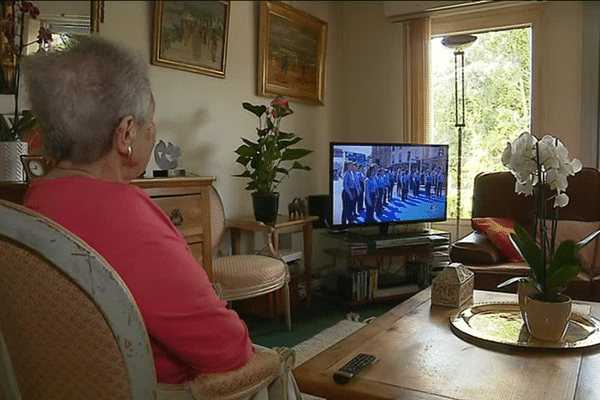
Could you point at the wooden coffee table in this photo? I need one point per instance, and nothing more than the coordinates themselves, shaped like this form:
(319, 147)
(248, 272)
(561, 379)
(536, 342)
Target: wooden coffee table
(420, 358)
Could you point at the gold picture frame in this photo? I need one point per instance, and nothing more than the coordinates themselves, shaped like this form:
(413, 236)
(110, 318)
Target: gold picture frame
(292, 48)
(191, 36)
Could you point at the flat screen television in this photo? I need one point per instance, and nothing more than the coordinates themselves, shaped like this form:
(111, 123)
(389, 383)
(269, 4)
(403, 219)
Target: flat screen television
(387, 183)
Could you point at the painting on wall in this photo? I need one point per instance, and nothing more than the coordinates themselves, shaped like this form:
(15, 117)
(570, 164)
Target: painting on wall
(292, 46)
(191, 36)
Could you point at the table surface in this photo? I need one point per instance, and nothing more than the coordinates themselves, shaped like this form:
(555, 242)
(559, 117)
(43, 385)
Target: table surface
(420, 358)
(282, 221)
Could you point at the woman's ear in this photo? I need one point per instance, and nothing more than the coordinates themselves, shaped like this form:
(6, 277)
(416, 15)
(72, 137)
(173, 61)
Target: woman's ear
(124, 135)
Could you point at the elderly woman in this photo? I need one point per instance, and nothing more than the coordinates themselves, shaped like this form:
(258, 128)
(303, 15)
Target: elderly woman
(95, 109)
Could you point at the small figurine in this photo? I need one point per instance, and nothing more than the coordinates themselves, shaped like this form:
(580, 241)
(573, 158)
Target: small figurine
(166, 158)
(298, 207)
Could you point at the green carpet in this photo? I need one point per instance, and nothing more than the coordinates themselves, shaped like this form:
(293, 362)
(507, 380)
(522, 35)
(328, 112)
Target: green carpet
(324, 312)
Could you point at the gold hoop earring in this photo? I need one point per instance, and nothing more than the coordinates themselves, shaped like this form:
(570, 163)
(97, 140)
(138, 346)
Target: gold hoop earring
(129, 151)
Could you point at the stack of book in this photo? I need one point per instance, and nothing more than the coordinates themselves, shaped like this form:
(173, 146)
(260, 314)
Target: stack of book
(358, 249)
(355, 284)
(440, 253)
(401, 241)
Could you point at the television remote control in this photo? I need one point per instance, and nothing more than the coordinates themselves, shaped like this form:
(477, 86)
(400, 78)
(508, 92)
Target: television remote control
(353, 367)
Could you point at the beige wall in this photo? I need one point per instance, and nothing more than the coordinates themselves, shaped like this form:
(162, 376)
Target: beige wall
(363, 89)
(204, 115)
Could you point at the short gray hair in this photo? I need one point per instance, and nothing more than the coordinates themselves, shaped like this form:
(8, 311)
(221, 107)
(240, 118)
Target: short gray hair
(80, 94)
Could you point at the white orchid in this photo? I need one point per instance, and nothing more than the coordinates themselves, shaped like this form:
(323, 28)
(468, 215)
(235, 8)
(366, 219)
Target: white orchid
(545, 161)
(539, 165)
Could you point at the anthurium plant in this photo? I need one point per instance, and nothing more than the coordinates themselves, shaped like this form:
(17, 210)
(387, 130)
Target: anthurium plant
(271, 157)
(540, 166)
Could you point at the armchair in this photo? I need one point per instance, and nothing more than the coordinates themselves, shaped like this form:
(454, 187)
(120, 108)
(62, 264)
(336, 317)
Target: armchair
(494, 197)
(244, 276)
(69, 327)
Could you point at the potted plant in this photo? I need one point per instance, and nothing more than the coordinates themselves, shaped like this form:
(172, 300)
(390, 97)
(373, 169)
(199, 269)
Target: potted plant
(12, 45)
(270, 158)
(541, 166)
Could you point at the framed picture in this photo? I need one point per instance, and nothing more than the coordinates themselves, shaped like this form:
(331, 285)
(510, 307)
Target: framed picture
(191, 36)
(292, 46)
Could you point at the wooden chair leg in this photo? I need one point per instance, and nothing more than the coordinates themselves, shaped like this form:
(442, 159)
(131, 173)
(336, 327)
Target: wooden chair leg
(288, 308)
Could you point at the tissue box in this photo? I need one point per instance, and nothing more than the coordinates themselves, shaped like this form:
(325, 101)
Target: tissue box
(453, 286)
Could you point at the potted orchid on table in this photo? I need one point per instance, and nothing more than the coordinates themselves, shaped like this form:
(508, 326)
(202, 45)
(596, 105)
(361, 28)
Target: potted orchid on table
(270, 158)
(541, 168)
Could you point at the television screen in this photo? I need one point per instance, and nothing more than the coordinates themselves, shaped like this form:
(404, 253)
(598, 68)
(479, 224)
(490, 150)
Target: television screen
(386, 183)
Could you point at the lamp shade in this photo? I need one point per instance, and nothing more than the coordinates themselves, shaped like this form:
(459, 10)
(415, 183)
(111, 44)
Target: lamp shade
(458, 43)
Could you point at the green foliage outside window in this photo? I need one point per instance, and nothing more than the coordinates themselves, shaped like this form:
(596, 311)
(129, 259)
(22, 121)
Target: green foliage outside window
(498, 105)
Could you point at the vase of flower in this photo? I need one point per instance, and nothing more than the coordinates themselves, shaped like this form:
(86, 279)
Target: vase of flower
(541, 168)
(12, 43)
(266, 206)
(269, 159)
(524, 289)
(11, 167)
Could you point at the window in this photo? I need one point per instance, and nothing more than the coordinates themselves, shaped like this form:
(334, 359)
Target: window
(497, 77)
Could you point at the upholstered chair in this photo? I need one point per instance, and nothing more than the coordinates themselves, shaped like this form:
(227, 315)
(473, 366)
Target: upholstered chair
(244, 276)
(70, 329)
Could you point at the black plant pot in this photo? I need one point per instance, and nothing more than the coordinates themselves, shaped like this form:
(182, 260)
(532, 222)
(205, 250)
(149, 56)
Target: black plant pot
(265, 206)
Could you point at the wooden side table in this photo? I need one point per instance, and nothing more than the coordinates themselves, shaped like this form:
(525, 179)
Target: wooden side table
(283, 225)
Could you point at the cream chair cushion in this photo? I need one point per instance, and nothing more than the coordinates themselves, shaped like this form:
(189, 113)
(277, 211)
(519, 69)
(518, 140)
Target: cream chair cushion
(247, 382)
(237, 273)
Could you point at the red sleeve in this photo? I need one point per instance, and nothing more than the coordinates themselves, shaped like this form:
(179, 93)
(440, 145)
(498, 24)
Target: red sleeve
(191, 331)
(178, 303)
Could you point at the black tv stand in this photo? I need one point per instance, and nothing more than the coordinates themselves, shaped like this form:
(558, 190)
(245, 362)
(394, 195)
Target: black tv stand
(384, 229)
(374, 266)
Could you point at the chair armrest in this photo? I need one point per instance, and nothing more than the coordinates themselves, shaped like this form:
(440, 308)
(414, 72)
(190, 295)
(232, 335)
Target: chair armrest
(249, 225)
(474, 248)
(263, 368)
(257, 226)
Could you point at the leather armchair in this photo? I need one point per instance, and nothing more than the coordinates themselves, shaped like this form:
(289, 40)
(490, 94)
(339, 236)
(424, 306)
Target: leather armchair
(494, 196)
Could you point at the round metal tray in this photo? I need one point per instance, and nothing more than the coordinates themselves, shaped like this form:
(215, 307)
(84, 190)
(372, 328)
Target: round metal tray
(492, 324)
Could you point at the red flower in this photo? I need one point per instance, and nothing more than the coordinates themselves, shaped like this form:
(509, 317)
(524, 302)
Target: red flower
(25, 6)
(44, 35)
(34, 12)
(281, 107)
(281, 102)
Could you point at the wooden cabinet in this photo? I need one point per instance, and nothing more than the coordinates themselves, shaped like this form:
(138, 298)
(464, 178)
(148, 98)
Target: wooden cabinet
(185, 200)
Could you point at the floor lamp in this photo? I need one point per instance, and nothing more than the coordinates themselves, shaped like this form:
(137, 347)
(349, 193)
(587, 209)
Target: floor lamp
(458, 44)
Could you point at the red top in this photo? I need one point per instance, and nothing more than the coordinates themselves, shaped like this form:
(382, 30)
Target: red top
(191, 330)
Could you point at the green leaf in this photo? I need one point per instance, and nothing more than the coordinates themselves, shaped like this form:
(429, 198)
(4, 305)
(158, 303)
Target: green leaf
(287, 136)
(283, 143)
(562, 276)
(294, 154)
(256, 110)
(566, 253)
(588, 239)
(297, 165)
(528, 249)
(246, 151)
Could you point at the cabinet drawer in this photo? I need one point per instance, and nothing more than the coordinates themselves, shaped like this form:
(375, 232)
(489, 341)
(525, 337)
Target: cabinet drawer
(186, 214)
(197, 250)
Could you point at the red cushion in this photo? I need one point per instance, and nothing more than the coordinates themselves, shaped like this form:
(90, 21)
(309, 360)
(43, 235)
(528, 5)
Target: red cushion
(498, 231)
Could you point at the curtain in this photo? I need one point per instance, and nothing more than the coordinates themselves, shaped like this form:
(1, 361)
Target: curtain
(418, 34)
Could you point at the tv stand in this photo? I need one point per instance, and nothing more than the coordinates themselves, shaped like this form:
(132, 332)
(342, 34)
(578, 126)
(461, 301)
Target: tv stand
(384, 229)
(360, 259)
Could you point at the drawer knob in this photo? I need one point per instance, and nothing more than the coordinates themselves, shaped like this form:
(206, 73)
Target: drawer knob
(176, 217)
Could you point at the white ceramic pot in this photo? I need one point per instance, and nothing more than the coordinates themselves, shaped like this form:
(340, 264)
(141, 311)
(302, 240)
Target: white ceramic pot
(547, 321)
(11, 168)
(523, 290)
